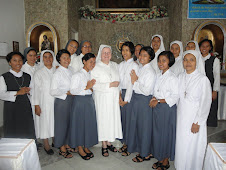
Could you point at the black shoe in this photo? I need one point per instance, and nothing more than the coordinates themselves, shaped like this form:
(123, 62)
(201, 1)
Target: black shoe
(49, 152)
(53, 145)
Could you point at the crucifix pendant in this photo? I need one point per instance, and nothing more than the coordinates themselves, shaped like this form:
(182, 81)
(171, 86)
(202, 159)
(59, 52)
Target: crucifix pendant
(185, 93)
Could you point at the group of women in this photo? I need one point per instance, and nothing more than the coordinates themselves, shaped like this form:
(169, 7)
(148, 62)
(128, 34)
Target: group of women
(155, 102)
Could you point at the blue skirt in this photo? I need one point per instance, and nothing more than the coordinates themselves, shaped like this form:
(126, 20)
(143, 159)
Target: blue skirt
(125, 117)
(164, 131)
(62, 109)
(140, 133)
(83, 126)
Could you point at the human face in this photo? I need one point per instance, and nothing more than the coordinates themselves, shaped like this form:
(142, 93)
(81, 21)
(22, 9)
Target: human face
(106, 55)
(189, 63)
(144, 57)
(163, 63)
(16, 63)
(175, 49)
(190, 46)
(72, 47)
(205, 48)
(156, 42)
(48, 59)
(65, 60)
(31, 57)
(89, 64)
(137, 50)
(126, 53)
(86, 48)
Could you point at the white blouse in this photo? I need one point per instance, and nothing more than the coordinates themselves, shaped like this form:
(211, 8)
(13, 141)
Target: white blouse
(29, 69)
(76, 63)
(61, 82)
(125, 69)
(10, 95)
(78, 83)
(216, 72)
(146, 80)
(177, 67)
(166, 87)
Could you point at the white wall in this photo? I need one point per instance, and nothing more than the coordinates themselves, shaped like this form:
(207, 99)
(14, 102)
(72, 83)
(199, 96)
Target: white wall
(12, 26)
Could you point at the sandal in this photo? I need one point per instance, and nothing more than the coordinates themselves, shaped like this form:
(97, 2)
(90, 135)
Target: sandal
(126, 153)
(65, 154)
(122, 149)
(72, 150)
(148, 158)
(112, 148)
(90, 154)
(104, 151)
(138, 159)
(86, 157)
(156, 165)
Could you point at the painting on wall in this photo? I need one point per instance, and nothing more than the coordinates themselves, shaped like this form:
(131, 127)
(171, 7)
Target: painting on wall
(15, 46)
(125, 5)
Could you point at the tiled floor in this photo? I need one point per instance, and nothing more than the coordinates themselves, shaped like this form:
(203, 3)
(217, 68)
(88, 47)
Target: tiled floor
(115, 160)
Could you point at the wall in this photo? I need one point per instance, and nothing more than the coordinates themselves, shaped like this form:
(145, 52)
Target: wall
(189, 25)
(175, 26)
(73, 16)
(54, 12)
(12, 29)
(99, 32)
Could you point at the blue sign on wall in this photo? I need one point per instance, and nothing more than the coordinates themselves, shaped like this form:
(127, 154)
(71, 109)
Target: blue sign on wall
(206, 9)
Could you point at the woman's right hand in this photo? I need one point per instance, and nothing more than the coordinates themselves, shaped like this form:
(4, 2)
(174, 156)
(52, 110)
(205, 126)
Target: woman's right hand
(37, 110)
(23, 90)
(114, 84)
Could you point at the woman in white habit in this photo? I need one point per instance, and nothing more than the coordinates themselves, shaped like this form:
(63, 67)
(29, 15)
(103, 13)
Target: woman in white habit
(106, 98)
(195, 98)
(43, 101)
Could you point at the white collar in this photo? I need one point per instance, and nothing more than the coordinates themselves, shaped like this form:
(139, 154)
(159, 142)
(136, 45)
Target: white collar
(129, 61)
(19, 74)
(207, 57)
(29, 65)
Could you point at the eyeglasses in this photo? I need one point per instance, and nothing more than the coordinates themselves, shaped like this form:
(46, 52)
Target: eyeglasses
(86, 46)
(106, 53)
(73, 46)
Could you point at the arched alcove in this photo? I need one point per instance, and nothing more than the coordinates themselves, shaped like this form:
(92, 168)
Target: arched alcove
(215, 31)
(35, 35)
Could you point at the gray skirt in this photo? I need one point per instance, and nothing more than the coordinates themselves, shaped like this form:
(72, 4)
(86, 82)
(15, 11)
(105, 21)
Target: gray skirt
(62, 109)
(83, 126)
(125, 117)
(140, 131)
(164, 131)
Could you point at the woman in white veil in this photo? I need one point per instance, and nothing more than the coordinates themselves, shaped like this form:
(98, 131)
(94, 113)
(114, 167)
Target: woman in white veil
(106, 99)
(158, 46)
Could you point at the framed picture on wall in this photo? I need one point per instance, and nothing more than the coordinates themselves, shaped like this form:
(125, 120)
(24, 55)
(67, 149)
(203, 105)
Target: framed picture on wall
(123, 6)
(15, 46)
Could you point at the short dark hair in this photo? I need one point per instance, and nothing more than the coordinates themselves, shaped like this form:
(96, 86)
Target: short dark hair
(139, 45)
(87, 56)
(150, 52)
(169, 55)
(59, 54)
(209, 41)
(130, 45)
(11, 54)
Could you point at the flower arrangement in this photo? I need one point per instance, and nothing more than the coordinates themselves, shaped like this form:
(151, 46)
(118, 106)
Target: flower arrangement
(89, 12)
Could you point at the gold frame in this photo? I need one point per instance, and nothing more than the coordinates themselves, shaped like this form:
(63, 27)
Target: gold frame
(123, 10)
(52, 29)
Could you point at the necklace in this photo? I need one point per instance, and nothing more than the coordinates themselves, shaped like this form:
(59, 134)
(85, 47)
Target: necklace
(20, 86)
(186, 86)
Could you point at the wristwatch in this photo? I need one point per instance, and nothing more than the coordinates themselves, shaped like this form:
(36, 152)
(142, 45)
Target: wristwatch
(158, 100)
